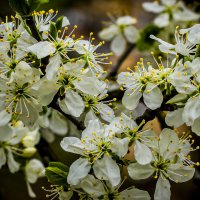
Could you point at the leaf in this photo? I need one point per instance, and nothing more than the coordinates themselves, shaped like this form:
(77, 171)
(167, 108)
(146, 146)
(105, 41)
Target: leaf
(53, 30)
(25, 7)
(178, 98)
(20, 6)
(59, 23)
(57, 173)
(59, 165)
(34, 4)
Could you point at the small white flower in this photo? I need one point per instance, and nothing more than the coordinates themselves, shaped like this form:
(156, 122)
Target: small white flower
(120, 31)
(169, 10)
(96, 145)
(34, 169)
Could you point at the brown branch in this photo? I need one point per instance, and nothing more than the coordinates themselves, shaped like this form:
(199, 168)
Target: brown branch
(74, 120)
(114, 70)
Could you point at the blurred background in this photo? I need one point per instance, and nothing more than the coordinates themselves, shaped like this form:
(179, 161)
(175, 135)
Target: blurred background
(89, 16)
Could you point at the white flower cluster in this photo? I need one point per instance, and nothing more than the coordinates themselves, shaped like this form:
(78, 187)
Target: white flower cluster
(120, 31)
(103, 149)
(33, 73)
(49, 77)
(169, 11)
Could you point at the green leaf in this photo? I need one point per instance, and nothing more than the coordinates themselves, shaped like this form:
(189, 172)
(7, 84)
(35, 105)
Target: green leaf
(25, 7)
(20, 6)
(57, 173)
(59, 23)
(178, 98)
(59, 165)
(197, 54)
(34, 4)
(53, 30)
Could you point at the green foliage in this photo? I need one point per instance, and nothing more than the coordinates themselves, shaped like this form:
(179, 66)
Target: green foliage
(26, 7)
(178, 98)
(59, 23)
(198, 51)
(145, 43)
(53, 30)
(57, 173)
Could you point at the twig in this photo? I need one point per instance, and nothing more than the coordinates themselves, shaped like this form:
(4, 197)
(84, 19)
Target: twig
(114, 70)
(79, 125)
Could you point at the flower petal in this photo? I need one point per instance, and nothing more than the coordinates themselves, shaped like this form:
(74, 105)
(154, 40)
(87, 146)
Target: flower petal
(137, 171)
(107, 169)
(118, 45)
(142, 153)
(78, 171)
(162, 190)
(152, 96)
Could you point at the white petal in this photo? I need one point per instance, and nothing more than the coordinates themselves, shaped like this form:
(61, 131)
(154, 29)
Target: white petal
(131, 33)
(169, 143)
(6, 133)
(73, 102)
(196, 126)
(57, 123)
(152, 96)
(125, 78)
(5, 117)
(31, 193)
(107, 169)
(109, 32)
(126, 20)
(142, 153)
(122, 143)
(94, 126)
(174, 118)
(162, 20)
(179, 173)
(137, 171)
(89, 116)
(2, 157)
(65, 195)
(34, 169)
(65, 22)
(42, 49)
(72, 144)
(153, 7)
(53, 66)
(78, 171)
(118, 45)
(106, 112)
(185, 14)
(92, 186)
(166, 44)
(131, 99)
(168, 2)
(134, 194)
(193, 35)
(162, 190)
(82, 46)
(12, 164)
(90, 85)
(191, 110)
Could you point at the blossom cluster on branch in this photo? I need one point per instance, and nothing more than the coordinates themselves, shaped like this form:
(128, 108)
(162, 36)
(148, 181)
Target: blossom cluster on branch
(54, 83)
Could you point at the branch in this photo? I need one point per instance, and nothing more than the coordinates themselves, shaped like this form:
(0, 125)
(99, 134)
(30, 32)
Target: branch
(31, 24)
(77, 123)
(114, 70)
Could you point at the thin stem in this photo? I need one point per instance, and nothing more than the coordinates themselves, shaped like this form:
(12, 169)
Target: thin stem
(79, 125)
(114, 70)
